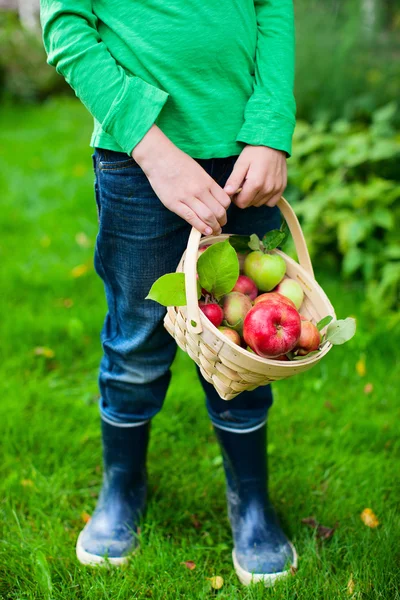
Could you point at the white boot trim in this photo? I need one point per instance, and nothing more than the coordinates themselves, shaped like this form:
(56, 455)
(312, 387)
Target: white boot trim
(268, 579)
(116, 424)
(240, 430)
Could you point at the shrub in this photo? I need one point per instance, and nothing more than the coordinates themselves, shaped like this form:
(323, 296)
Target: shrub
(344, 183)
(24, 72)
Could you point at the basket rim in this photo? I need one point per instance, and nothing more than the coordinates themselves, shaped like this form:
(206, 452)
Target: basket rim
(287, 365)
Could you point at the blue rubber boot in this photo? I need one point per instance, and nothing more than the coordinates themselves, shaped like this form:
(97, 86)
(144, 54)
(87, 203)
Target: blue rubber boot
(112, 531)
(261, 550)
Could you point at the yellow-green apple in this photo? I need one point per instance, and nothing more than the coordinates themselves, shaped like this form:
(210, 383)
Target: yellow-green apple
(310, 338)
(231, 334)
(245, 285)
(269, 296)
(272, 328)
(292, 290)
(235, 306)
(213, 312)
(265, 269)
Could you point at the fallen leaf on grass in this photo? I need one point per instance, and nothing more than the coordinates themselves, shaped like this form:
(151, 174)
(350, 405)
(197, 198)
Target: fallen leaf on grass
(82, 240)
(368, 388)
(27, 483)
(79, 271)
(85, 517)
(369, 518)
(323, 533)
(44, 351)
(189, 564)
(195, 522)
(350, 586)
(361, 367)
(216, 582)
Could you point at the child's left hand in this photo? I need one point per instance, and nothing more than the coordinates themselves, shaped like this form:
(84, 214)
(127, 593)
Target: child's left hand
(261, 172)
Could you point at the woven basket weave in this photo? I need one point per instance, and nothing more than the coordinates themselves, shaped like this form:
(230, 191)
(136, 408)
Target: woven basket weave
(228, 367)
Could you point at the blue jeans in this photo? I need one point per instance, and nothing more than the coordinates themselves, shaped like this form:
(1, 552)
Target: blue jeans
(138, 241)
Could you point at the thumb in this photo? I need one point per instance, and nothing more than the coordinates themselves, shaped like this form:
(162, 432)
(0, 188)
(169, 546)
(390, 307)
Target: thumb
(236, 178)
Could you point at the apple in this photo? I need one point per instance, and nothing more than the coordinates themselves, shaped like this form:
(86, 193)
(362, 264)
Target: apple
(310, 338)
(292, 290)
(202, 249)
(245, 285)
(235, 306)
(272, 328)
(283, 358)
(266, 270)
(231, 334)
(213, 312)
(269, 296)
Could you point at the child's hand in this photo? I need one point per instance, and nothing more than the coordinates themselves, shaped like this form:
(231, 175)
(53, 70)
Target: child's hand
(181, 184)
(262, 173)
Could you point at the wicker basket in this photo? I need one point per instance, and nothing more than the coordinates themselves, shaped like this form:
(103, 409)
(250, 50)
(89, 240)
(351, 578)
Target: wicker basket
(228, 367)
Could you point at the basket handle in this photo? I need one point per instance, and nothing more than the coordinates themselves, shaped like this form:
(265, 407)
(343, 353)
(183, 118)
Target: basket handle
(193, 314)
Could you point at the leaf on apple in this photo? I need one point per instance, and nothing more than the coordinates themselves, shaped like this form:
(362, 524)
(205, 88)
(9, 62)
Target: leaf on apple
(218, 269)
(254, 243)
(324, 322)
(169, 290)
(341, 331)
(240, 242)
(272, 239)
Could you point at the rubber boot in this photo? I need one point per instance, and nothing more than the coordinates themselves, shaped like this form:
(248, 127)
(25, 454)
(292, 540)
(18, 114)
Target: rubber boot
(261, 550)
(112, 530)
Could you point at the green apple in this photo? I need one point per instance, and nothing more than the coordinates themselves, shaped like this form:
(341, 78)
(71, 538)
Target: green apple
(292, 290)
(266, 270)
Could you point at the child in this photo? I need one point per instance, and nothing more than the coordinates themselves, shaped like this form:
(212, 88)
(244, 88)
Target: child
(191, 101)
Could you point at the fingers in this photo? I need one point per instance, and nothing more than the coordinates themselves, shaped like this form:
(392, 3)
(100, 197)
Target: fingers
(237, 177)
(220, 195)
(204, 213)
(259, 193)
(216, 208)
(185, 212)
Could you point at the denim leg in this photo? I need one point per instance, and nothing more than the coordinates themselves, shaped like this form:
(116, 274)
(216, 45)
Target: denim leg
(248, 410)
(138, 241)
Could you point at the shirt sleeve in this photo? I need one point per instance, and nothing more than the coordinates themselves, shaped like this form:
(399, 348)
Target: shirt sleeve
(125, 106)
(269, 117)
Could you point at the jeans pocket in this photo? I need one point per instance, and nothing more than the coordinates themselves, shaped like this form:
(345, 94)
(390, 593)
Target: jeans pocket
(110, 160)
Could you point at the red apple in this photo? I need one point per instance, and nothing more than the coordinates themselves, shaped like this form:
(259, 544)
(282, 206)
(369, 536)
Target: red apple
(231, 334)
(269, 296)
(283, 357)
(236, 306)
(292, 290)
(202, 249)
(213, 312)
(245, 285)
(310, 338)
(272, 328)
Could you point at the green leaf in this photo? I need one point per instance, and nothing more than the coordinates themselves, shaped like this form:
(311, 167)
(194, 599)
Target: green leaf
(254, 243)
(323, 322)
(240, 242)
(218, 269)
(169, 290)
(198, 290)
(341, 331)
(272, 239)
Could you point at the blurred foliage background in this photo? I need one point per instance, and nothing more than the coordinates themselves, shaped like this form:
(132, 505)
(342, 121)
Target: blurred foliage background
(344, 176)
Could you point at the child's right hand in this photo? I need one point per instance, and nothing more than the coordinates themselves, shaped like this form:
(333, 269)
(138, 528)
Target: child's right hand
(181, 184)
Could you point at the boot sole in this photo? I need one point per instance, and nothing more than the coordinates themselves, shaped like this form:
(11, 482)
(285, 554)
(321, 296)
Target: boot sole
(94, 560)
(268, 579)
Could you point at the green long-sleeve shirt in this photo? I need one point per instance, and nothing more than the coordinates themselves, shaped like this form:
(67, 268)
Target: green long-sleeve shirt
(214, 75)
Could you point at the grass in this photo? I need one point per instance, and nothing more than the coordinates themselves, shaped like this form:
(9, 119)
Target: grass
(334, 449)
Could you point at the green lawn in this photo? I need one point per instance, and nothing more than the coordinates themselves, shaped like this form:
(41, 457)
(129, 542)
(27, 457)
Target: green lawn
(334, 447)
